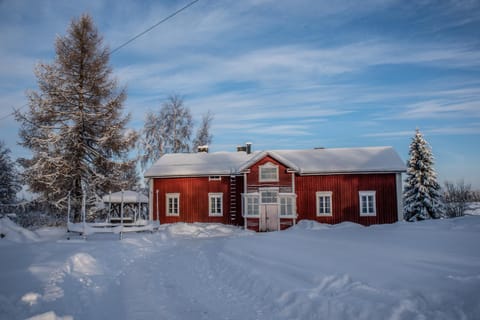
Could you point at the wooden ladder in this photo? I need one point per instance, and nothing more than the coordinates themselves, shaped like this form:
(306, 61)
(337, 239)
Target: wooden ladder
(233, 199)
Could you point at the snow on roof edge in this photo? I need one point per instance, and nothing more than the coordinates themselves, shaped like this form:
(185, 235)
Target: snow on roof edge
(272, 154)
(128, 197)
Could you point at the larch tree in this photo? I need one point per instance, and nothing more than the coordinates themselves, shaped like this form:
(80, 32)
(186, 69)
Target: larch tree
(168, 131)
(75, 125)
(203, 137)
(421, 196)
(9, 182)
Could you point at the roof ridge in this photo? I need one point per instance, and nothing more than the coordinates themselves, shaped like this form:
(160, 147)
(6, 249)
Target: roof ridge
(303, 161)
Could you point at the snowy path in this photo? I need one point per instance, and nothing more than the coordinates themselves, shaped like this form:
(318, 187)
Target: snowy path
(402, 271)
(179, 282)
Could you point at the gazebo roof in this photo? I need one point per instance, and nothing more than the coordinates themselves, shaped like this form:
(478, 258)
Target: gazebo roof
(128, 197)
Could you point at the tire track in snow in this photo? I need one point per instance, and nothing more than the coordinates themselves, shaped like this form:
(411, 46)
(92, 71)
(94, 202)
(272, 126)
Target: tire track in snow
(181, 281)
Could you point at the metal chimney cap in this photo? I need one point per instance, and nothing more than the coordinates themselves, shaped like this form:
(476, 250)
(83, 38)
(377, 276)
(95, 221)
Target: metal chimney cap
(203, 148)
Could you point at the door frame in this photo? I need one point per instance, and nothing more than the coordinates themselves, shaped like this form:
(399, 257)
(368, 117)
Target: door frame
(269, 211)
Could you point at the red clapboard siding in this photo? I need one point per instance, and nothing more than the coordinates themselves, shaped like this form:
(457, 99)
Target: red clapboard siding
(284, 178)
(194, 199)
(345, 197)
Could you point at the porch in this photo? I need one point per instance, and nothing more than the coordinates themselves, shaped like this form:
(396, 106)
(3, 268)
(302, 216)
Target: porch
(269, 210)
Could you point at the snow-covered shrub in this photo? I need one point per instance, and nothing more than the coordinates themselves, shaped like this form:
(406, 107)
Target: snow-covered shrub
(457, 197)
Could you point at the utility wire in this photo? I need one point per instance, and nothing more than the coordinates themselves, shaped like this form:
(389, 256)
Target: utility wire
(154, 26)
(6, 116)
(13, 113)
(130, 40)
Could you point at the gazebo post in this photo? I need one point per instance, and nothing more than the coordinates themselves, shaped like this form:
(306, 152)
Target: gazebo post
(109, 206)
(139, 207)
(68, 210)
(121, 210)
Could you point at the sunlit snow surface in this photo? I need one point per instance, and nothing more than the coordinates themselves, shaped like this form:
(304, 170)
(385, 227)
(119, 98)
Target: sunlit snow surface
(423, 270)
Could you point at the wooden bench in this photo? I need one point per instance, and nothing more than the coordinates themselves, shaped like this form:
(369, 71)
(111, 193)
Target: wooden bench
(120, 220)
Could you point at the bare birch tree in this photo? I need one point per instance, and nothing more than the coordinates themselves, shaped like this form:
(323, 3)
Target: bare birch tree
(204, 137)
(168, 131)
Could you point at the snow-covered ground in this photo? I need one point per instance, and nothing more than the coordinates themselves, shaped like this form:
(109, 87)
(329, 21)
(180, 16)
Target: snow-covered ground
(422, 270)
(473, 208)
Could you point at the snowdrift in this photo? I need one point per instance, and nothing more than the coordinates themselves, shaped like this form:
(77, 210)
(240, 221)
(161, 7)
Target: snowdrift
(473, 208)
(422, 270)
(201, 230)
(13, 232)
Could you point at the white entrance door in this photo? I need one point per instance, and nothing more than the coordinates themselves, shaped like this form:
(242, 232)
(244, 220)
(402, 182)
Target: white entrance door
(269, 209)
(268, 217)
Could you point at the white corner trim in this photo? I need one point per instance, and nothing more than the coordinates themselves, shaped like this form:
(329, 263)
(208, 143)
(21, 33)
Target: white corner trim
(150, 199)
(398, 180)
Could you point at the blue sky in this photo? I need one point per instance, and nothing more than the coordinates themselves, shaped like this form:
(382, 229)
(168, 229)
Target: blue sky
(281, 74)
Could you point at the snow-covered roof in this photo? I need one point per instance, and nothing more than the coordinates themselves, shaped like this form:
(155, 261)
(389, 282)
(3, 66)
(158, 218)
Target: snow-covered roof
(313, 161)
(273, 154)
(128, 197)
(342, 160)
(195, 164)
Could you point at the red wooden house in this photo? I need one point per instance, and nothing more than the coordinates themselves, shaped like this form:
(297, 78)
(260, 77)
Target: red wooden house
(271, 190)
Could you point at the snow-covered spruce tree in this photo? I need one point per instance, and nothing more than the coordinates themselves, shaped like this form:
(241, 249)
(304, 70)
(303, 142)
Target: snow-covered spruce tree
(421, 196)
(9, 182)
(203, 137)
(168, 131)
(74, 126)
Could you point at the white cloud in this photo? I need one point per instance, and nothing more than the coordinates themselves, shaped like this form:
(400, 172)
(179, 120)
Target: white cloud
(267, 70)
(469, 130)
(441, 109)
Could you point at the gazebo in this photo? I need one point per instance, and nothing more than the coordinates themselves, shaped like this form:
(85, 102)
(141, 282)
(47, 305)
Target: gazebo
(126, 206)
(127, 211)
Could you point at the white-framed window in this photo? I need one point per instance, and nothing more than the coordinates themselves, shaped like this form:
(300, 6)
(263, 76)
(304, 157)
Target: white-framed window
(268, 172)
(368, 205)
(287, 205)
(324, 203)
(172, 204)
(252, 205)
(214, 178)
(215, 204)
(268, 195)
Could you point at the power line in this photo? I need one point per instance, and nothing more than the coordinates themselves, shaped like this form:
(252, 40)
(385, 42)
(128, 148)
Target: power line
(12, 113)
(6, 116)
(131, 40)
(154, 26)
